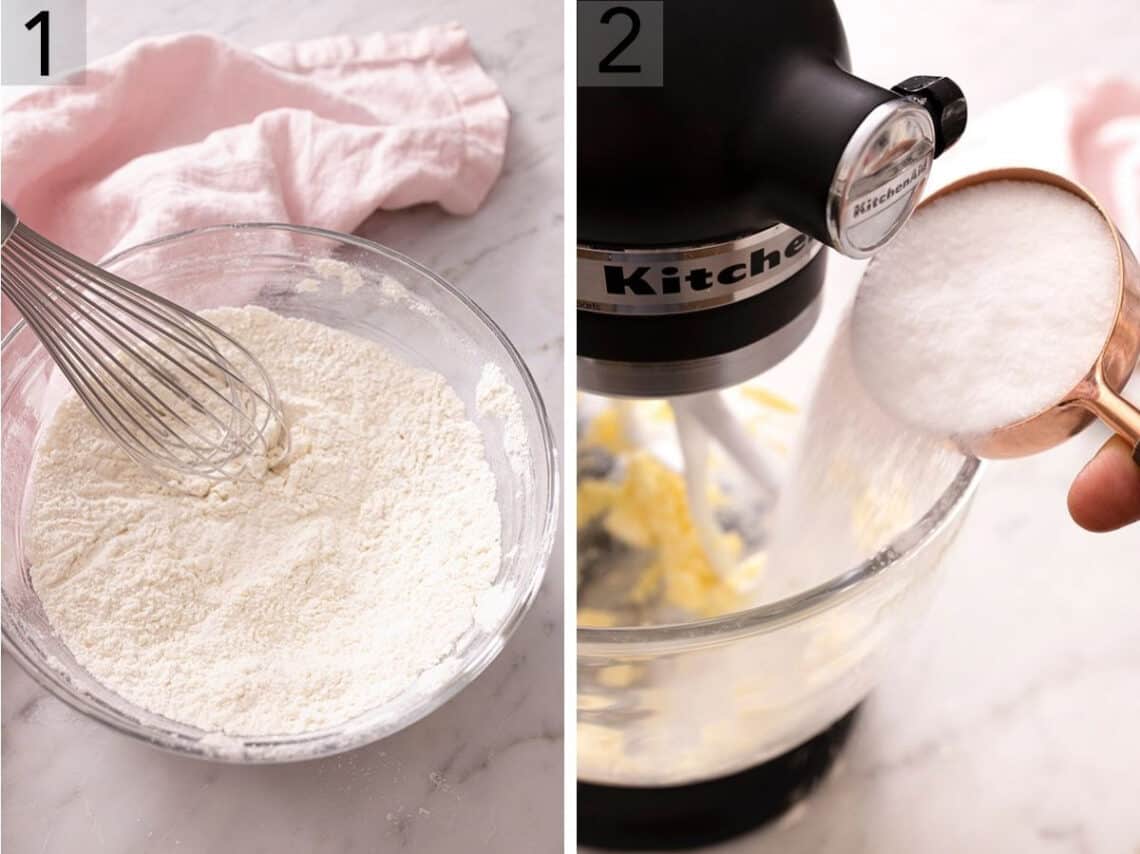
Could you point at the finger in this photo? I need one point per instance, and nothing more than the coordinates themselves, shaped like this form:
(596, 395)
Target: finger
(1106, 494)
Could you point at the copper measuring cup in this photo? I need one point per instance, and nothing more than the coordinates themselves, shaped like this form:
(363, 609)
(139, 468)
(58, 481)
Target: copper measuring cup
(1097, 395)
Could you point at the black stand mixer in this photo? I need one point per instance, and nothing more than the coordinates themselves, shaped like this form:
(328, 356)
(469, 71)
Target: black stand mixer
(703, 203)
(704, 206)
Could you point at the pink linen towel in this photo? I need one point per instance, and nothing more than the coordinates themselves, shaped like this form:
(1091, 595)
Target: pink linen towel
(184, 131)
(1104, 140)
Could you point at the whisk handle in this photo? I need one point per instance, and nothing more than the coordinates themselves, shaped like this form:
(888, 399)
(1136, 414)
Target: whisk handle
(8, 221)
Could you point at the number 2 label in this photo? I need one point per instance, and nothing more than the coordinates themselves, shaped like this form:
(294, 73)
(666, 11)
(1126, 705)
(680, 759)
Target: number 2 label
(621, 43)
(607, 66)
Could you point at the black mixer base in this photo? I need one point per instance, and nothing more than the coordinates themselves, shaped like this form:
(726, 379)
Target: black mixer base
(628, 818)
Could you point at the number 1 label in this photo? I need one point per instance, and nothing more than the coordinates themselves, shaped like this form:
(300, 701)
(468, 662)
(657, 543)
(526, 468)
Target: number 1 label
(42, 19)
(44, 42)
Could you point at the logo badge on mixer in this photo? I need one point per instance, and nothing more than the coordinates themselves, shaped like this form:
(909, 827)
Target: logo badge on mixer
(871, 202)
(690, 278)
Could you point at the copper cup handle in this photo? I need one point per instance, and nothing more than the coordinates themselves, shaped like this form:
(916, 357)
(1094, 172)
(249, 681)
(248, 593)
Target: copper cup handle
(1122, 416)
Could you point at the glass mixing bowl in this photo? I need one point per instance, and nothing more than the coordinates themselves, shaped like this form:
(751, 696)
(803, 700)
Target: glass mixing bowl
(867, 517)
(367, 290)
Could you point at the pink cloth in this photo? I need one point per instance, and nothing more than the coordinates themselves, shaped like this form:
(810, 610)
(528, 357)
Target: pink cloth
(184, 131)
(1104, 142)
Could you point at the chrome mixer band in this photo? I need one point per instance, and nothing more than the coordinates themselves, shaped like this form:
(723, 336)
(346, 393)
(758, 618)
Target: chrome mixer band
(689, 351)
(691, 278)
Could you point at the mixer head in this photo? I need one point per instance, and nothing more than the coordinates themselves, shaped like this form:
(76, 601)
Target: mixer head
(705, 203)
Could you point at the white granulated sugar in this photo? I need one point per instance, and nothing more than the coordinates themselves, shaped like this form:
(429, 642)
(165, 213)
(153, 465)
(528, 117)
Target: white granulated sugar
(989, 307)
(495, 397)
(340, 580)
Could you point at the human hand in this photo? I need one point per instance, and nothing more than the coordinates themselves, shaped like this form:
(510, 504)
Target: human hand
(1106, 494)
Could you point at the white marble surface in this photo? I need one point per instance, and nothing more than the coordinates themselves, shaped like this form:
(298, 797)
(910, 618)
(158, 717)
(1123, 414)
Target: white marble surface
(484, 773)
(1011, 722)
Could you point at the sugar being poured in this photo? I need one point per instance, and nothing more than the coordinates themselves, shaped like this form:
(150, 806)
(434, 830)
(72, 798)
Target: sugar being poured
(988, 307)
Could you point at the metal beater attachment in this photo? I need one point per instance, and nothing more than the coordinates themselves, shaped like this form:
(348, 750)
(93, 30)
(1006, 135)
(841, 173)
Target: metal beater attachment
(178, 394)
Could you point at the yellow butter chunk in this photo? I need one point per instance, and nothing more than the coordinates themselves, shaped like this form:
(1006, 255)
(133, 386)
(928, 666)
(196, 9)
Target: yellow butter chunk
(769, 399)
(596, 618)
(595, 498)
(648, 509)
(879, 515)
(748, 572)
(607, 431)
(619, 675)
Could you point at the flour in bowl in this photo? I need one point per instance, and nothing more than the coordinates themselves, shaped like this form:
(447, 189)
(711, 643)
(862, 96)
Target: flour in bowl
(293, 603)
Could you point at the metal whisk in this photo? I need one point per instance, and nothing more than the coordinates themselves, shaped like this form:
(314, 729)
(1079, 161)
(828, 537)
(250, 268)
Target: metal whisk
(178, 394)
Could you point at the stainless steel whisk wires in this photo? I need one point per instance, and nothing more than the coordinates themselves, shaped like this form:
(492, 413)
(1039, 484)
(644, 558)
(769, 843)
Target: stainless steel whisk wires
(178, 394)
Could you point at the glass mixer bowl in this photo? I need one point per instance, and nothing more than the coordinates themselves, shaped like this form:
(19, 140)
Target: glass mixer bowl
(346, 283)
(867, 511)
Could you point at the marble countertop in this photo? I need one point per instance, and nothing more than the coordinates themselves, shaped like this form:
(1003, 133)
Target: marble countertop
(485, 772)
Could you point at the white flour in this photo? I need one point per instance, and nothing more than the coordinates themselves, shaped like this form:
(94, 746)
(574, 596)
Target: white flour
(295, 602)
(350, 278)
(990, 306)
(496, 398)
